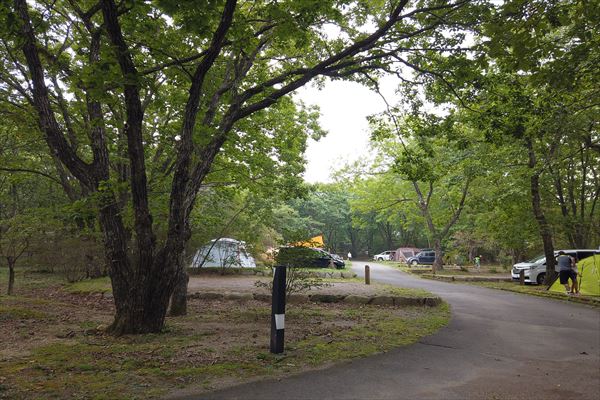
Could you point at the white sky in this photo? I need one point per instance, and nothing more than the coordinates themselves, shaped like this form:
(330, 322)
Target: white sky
(344, 108)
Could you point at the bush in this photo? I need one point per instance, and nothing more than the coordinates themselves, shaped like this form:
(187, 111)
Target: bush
(306, 257)
(297, 280)
(76, 258)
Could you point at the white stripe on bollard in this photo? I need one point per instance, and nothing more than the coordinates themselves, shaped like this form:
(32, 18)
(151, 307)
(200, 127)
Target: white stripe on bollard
(279, 321)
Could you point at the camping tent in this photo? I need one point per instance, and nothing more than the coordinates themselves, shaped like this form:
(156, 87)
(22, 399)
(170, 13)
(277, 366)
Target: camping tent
(404, 253)
(223, 253)
(316, 241)
(589, 277)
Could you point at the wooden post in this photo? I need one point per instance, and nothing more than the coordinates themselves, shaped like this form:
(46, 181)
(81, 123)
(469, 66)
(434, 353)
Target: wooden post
(522, 277)
(367, 275)
(278, 310)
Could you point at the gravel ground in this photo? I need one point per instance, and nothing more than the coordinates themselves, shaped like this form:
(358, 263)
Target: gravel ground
(245, 284)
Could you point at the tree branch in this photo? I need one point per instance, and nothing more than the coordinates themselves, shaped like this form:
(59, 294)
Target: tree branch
(47, 121)
(133, 130)
(31, 171)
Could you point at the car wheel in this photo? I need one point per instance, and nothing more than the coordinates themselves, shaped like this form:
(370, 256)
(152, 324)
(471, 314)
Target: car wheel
(540, 278)
(379, 259)
(414, 262)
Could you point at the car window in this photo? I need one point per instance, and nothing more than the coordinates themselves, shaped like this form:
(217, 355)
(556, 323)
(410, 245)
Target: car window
(537, 259)
(584, 254)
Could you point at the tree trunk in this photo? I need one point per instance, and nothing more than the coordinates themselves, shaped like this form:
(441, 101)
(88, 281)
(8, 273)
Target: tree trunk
(544, 229)
(179, 297)
(141, 290)
(438, 265)
(11, 275)
(543, 225)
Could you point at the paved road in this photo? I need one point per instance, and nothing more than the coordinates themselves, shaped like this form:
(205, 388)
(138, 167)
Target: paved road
(498, 345)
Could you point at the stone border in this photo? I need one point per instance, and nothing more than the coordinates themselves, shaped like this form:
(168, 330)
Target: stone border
(230, 271)
(325, 298)
(327, 273)
(463, 278)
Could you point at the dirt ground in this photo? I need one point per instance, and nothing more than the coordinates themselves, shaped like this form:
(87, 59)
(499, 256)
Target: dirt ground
(24, 325)
(245, 284)
(54, 345)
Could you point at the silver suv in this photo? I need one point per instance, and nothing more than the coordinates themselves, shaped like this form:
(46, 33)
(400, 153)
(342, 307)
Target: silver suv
(535, 269)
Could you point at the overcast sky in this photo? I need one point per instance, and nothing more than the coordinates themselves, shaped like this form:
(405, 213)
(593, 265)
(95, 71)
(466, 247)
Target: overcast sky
(344, 108)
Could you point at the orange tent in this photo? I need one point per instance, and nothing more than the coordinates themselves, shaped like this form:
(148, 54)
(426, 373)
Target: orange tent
(316, 241)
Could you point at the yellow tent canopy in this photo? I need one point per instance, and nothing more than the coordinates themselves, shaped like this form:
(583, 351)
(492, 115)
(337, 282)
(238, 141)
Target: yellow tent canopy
(588, 277)
(316, 241)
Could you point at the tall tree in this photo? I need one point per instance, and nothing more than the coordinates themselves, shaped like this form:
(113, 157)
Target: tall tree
(543, 92)
(95, 71)
(439, 158)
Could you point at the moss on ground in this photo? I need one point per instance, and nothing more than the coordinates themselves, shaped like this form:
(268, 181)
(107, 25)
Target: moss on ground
(203, 351)
(98, 285)
(53, 347)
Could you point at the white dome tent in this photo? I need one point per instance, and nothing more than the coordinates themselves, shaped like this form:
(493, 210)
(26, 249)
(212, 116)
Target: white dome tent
(223, 253)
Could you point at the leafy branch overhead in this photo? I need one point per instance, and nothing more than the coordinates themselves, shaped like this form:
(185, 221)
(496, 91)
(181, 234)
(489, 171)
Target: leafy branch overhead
(135, 98)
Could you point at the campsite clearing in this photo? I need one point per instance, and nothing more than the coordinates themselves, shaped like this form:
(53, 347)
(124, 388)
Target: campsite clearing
(55, 347)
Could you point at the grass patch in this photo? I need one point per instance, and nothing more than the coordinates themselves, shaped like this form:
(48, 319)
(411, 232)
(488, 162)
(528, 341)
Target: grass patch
(218, 343)
(52, 348)
(537, 290)
(381, 331)
(98, 285)
(17, 313)
(27, 278)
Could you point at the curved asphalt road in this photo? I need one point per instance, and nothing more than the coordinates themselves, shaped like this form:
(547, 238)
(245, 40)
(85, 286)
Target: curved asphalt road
(498, 345)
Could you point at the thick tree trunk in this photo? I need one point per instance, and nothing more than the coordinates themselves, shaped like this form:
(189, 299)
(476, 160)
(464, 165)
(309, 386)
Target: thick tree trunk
(141, 305)
(141, 290)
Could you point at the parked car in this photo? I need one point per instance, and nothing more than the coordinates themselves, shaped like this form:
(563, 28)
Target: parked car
(535, 269)
(338, 261)
(425, 257)
(307, 257)
(384, 256)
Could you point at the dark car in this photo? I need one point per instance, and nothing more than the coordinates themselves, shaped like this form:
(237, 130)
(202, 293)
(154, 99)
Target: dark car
(307, 257)
(338, 261)
(425, 257)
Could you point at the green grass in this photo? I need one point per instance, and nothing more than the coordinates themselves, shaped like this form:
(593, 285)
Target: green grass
(192, 350)
(536, 290)
(8, 312)
(376, 336)
(148, 366)
(28, 278)
(98, 285)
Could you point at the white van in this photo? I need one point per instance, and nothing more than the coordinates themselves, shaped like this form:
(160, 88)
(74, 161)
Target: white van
(535, 269)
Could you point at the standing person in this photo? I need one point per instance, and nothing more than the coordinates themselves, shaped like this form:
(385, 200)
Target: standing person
(566, 266)
(478, 262)
(349, 256)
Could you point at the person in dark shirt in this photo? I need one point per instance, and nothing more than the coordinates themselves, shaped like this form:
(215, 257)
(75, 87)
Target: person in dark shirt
(566, 266)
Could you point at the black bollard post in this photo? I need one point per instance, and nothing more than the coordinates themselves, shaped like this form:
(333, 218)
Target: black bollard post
(278, 310)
